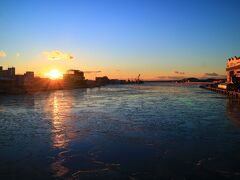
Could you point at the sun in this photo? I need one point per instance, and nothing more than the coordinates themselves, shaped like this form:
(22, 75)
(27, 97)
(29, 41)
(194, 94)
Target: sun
(54, 74)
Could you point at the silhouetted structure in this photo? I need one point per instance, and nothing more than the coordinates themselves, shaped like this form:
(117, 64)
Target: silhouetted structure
(74, 75)
(7, 74)
(10, 83)
(138, 81)
(29, 75)
(102, 80)
(74, 78)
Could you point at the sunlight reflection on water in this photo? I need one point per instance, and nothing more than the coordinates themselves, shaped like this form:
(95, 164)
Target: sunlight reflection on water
(147, 131)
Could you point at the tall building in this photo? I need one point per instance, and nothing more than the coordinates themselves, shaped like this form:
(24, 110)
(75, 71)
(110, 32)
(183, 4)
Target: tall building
(7, 74)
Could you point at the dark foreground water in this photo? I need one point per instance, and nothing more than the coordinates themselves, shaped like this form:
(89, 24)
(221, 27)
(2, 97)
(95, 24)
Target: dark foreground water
(150, 131)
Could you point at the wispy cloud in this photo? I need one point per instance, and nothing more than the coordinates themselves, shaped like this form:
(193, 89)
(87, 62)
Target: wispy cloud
(211, 74)
(179, 72)
(58, 55)
(214, 75)
(2, 54)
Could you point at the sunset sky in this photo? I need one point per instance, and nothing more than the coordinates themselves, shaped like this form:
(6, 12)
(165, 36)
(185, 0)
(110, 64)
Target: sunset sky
(159, 39)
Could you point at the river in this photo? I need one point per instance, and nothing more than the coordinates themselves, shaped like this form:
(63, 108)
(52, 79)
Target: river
(149, 131)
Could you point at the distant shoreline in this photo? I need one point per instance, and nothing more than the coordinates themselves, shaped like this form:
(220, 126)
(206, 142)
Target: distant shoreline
(200, 82)
(167, 81)
(195, 82)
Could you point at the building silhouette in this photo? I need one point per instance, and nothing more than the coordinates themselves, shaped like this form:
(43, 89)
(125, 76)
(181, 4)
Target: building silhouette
(7, 74)
(74, 75)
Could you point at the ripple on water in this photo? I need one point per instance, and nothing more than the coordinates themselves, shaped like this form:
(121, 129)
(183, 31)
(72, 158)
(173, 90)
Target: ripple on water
(151, 131)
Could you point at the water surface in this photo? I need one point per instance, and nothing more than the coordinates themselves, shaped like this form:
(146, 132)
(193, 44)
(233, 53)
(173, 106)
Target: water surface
(150, 131)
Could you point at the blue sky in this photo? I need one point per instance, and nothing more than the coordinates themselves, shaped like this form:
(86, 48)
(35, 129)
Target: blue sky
(121, 37)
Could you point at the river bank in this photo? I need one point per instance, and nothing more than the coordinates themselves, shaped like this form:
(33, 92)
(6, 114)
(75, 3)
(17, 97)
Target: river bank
(44, 84)
(222, 91)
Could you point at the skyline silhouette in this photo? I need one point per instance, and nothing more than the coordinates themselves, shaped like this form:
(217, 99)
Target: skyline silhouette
(158, 39)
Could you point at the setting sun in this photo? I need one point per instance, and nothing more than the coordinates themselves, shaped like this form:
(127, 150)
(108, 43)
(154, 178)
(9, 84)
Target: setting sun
(54, 74)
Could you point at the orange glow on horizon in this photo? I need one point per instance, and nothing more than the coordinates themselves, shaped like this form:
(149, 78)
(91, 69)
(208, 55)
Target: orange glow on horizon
(54, 74)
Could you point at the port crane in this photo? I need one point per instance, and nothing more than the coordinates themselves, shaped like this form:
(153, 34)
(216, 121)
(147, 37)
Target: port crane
(138, 81)
(138, 78)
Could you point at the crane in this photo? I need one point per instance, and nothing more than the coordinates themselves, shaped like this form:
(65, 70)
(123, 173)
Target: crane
(138, 81)
(138, 78)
